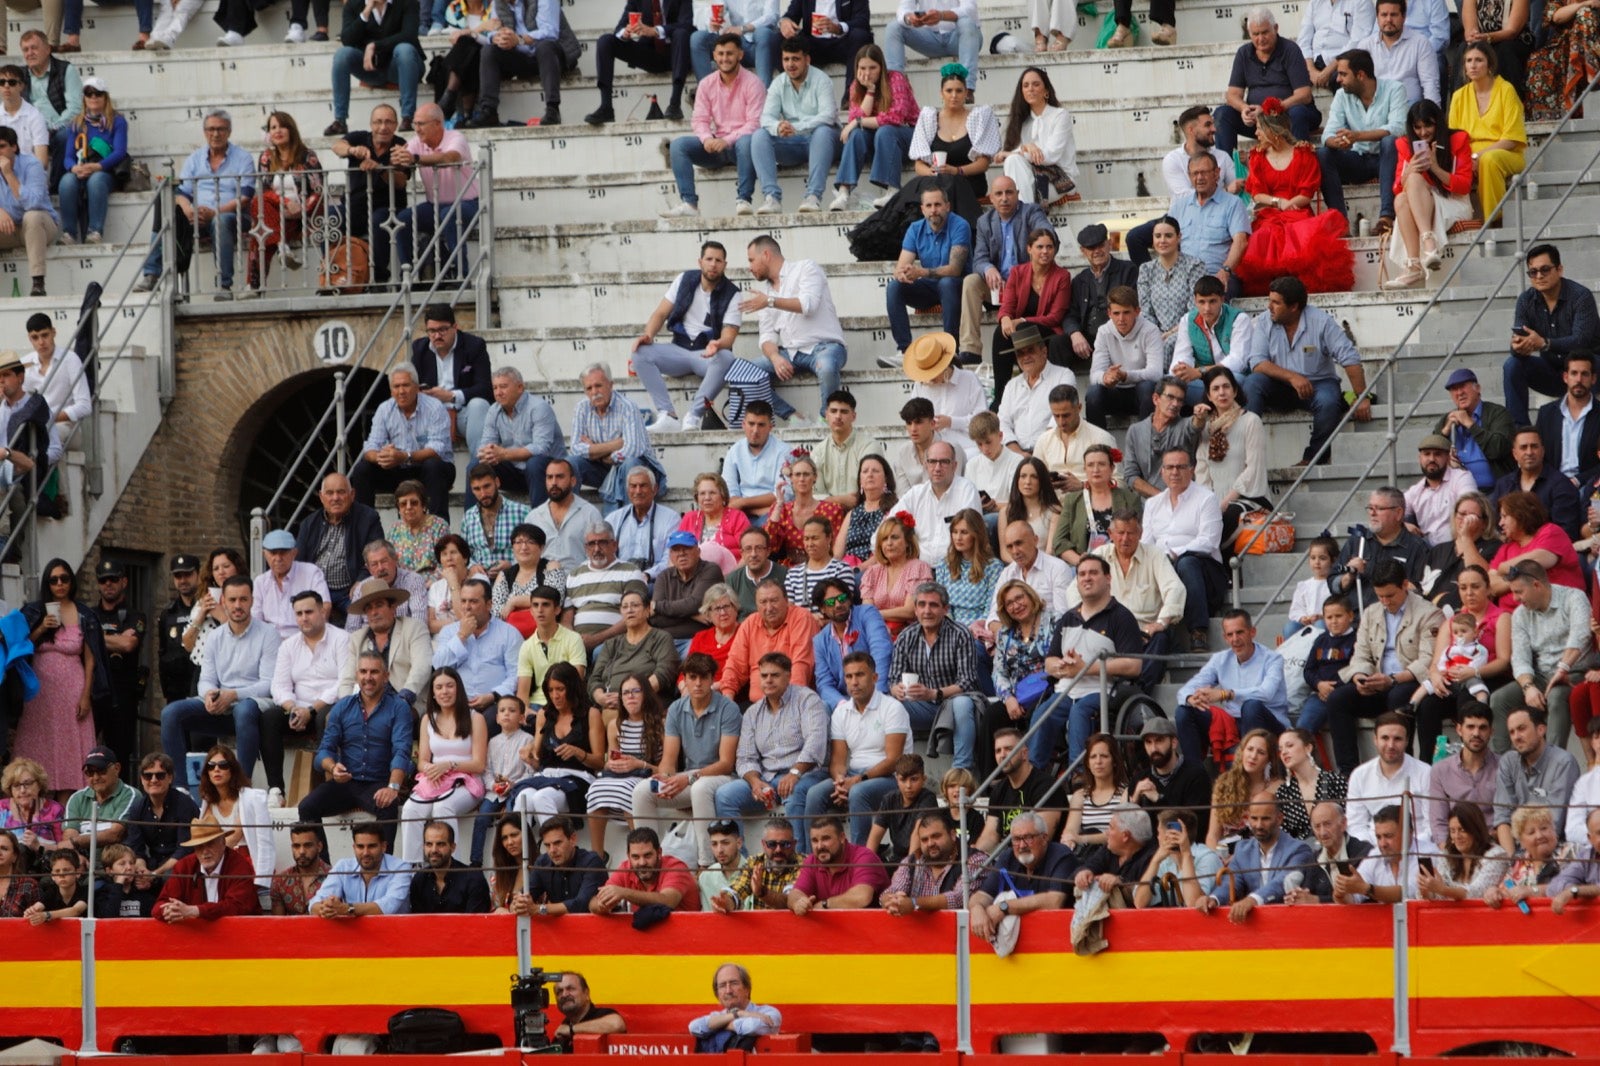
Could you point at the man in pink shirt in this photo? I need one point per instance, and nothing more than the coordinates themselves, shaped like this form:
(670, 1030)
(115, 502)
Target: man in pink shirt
(647, 877)
(836, 876)
(777, 625)
(727, 110)
(443, 160)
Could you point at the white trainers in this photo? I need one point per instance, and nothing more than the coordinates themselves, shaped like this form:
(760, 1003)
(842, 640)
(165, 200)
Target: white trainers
(771, 205)
(889, 194)
(296, 34)
(665, 422)
(810, 204)
(841, 200)
(274, 798)
(897, 361)
(438, 29)
(693, 422)
(157, 43)
(744, 207)
(681, 210)
(231, 39)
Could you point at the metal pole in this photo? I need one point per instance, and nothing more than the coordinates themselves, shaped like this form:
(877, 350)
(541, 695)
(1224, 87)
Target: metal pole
(485, 237)
(258, 532)
(340, 459)
(1394, 458)
(1402, 940)
(964, 937)
(89, 1037)
(525, 921)
(1105, 700)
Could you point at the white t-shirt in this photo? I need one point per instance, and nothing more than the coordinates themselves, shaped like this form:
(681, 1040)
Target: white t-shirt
(29, 125)
(864, 732)
(694, 318)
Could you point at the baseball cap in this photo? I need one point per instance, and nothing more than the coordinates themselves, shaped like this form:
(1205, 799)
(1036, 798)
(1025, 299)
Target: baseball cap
(683, 539)
(100, 757)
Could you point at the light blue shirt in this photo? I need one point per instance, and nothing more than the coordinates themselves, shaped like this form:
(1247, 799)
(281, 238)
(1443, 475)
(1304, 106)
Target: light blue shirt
(243, 662)
(750, 474)
(1412, 61)
(1471, 456)
(1209, 228)
(1430, 17)
(211, 188)
(813, 104)
(933, 249)
(1259, 677)
(35, 190)
(1571, 430)
(532, 424)
(1327, 28)
(1319, 345)
(390, 888)
(546, 27)
(38, 94)
(1387, 111)
(428, 427)
(644, 539)
(487, 662)
(1391, 663)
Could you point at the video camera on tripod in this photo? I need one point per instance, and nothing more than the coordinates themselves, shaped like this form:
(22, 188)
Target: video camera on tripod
(530, 998)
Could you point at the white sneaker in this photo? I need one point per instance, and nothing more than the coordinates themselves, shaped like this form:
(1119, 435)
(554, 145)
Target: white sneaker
(296, 34)
(66, 239)
(438, 29)
(665, 422)
(771, 205)
(157, 43)
(693, 422)
(810, 204)
(744, 207)
(274, 798)
(888, 195)
(682, 210)
(841, 200)
(231, 39)
(897, 361)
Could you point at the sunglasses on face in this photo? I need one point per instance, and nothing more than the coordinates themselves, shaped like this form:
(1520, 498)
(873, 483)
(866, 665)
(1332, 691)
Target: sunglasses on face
(154, 775)
(217, 764)
(835, 601)
(9, 81)
(778, 845)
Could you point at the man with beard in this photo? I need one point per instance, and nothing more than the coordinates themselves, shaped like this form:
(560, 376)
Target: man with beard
(1570, 426)
(837, 875)
(932, 880)
(763, 882)
(565, 878)
(1260, 862)
(1170, 781)
(1469, 775)
(1535, 473)
(487, 525)
(1020, 787)
(370, 882)
(295, 884)
(702, 319)
(444, 885)
(579, 1013)
(564, 515)
(1431, 502)
(175, 667)
(647, 878)
(1036, 876)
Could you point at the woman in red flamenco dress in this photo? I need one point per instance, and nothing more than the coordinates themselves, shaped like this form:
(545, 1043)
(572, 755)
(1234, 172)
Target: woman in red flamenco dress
(1285, 237)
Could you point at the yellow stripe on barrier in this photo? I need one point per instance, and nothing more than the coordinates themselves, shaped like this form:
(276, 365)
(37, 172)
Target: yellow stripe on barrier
(38, 984)
(1519, 970)
(296, 982)
(1341, 973)
(882, 980)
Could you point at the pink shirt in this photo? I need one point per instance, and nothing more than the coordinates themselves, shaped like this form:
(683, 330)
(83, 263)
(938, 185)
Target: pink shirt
(441, 183)
(728, 111)
(902, 109)
(855, 866)
(876, 592)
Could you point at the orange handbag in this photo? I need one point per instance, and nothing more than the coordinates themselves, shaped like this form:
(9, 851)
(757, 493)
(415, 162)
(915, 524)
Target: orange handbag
(1278, 535)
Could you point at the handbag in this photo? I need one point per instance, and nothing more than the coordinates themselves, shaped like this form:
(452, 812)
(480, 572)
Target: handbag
(430, 791)
(1276, 536)
(1031, 689)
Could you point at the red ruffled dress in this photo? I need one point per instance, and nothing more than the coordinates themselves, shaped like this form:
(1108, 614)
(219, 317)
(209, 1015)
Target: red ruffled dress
(1310, 247)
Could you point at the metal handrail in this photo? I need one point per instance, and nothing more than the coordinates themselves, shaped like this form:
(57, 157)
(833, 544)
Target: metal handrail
(1390, 365)
(158, 297)
(479, 273)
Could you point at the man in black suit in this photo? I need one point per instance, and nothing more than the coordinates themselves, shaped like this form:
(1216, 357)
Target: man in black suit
(1338, 848)
(335, 539)
(651, 35)
(453, 368)
(1090, 307)
(1580, 461)
(845, 34)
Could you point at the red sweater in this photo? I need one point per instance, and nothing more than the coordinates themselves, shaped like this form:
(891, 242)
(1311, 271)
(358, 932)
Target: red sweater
(187, 884)
(1053, 301)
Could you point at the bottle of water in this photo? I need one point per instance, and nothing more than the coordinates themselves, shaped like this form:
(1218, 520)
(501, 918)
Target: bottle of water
(1441, 749)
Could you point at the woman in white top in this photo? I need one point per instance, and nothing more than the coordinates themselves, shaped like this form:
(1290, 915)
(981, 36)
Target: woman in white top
(452, 750)
(1231, 460)
(1038, 152)
(241, 811)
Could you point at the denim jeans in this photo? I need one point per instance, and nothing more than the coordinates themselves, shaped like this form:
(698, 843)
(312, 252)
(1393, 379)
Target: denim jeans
(923, 293)
(595, 475)
(865, 799)
(404, 69)
(1303, 119)
(1326, 405)
(1201, 576)
(1194, 727)
(964, 42)
(224, 233)
(884, 149)
(688, 153)
(1340, 165)
(760, 54)
(420, 221)
(95, 192)
(180, 718)
(825, 361)
(964, 716)
(816, 149)
(735, 800)
(1523, 372)
(1082, 717)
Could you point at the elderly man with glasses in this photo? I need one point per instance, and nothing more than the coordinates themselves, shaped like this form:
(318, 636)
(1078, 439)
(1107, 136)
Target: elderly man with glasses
(215, 185)
(1386, 538)
(1036, 875)
(99, 808)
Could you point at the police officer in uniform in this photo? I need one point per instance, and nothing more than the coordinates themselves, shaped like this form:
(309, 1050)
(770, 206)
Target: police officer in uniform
(179, 674)
(124, 636)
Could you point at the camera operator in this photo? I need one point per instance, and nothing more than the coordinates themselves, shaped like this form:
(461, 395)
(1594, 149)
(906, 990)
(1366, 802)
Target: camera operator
(579, 1013)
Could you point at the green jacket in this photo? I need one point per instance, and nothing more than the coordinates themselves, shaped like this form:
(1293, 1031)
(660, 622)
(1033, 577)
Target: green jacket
(1072, 528)
(1493, 434)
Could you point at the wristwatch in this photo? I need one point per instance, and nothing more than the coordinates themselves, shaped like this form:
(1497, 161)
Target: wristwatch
(771, 299)
(1005, 906)
(795, 770)
(544, 910)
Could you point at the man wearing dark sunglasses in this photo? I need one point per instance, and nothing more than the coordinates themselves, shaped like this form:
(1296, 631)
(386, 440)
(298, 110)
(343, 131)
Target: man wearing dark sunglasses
(763, 882)
(847, 626)
(1555, 317)
(158, 821)
(115, 796)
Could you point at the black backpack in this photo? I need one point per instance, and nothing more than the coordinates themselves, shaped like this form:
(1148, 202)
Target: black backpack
(427, 1031)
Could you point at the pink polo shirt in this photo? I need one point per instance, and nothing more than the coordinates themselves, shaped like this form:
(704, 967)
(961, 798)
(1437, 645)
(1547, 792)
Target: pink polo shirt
(441, 183)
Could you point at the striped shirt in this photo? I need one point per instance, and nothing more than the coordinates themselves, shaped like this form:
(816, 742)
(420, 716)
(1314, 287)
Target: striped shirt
(596, 595)
(801, 579)
(621, 420)
(773, 741)
(428, 426)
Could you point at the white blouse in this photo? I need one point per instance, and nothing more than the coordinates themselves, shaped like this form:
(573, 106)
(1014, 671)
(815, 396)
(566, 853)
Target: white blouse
(982, 128)
(1051, 130)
